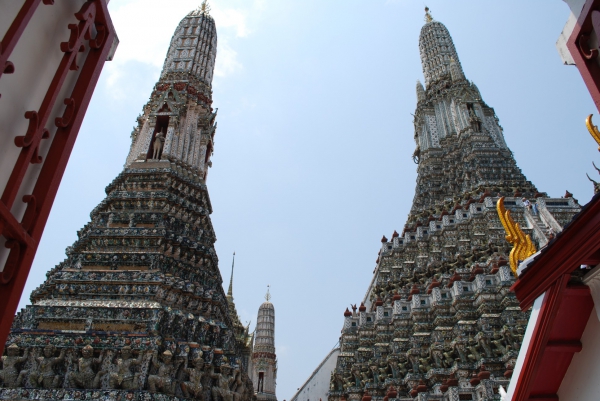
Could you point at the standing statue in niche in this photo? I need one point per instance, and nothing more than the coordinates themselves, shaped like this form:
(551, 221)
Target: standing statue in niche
(9, 375)
(159, 141)
(44, 376)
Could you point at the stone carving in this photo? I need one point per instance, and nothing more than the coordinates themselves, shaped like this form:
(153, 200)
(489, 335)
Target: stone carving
(238, 387)
(193, 387)
(163, 379)
(124, 377)
(9, 375)
(485, 344)
(337, 382)
(45, 376)
(85, 375)
(437, 356)
(414, 360)
(223, 380)
(474, 349)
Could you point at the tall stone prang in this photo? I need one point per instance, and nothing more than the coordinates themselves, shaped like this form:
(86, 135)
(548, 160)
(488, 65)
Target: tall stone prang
(180, 106)
(137, 310)
(264, 359)
(438, 321)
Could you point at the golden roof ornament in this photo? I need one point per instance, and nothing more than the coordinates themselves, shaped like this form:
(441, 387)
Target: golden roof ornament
(522, 245)
(428, 17)
(204, 8)
(593, 130)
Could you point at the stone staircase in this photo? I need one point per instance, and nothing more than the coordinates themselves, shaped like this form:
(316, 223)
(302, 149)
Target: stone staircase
(542, 224)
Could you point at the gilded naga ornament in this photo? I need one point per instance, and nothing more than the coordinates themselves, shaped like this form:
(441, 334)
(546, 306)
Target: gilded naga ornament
(593, 129)
(522, 245)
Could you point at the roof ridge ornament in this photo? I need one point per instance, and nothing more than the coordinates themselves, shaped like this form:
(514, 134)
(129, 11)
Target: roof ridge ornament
(593, 129)
(428, 17)
(522, 245)
(202, 9)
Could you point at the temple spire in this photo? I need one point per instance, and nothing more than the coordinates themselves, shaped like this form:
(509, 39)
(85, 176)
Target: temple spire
(230, 290)
(264, 359)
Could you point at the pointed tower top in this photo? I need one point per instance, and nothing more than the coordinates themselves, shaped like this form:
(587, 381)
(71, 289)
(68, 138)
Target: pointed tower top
(268, 296)
(436, 48)
(428, 17)
(193, 47)
(230, 291)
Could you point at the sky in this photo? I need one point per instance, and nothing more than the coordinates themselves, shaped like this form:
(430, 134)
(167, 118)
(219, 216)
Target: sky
(312, 161)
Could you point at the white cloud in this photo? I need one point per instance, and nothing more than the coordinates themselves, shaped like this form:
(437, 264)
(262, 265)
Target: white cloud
(282, 350)
(232, 18)
(227, 61)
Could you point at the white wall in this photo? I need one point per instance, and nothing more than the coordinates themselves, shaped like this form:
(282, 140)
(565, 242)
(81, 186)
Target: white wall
(533, 318)
(581, 381)
(317, 385)
(561, 44)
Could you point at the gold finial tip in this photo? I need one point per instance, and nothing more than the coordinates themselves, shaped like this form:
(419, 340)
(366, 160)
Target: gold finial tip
(428, 17)
(268, 296)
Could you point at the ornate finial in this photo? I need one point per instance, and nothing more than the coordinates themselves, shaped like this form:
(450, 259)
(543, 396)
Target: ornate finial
(268, 296)
(593, 130)
(230, 291)
(522, 245)
(596, 184)
(428, 17)
(204, 8)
